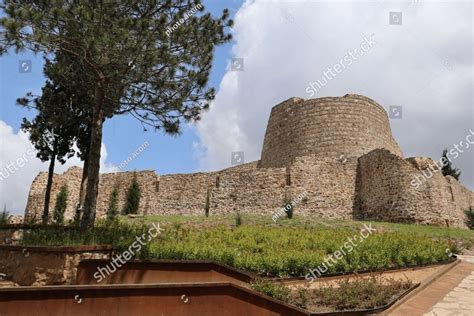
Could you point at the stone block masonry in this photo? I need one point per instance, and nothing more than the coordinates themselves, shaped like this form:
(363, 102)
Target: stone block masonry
(384, 192)
(340, 150)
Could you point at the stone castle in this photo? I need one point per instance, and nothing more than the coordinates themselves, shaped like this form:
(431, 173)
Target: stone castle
(340, 150)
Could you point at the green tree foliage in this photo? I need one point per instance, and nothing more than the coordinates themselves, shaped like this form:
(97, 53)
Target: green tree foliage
(470, 218)
(448, 169)
(133, 64)
(112, 209)
(132, 199)
(51, 132)
(61, 205)
(5, 216)
(62, 119)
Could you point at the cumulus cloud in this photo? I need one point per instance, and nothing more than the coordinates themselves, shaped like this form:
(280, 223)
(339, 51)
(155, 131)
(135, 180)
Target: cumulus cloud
(17, 176)
(423, 65)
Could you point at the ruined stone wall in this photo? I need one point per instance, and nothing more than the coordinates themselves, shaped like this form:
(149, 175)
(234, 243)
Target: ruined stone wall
(351, 125)
(72, 178)
(340, 151)
(245, 188)
(386, 191)
(40, 266)
(330, 184)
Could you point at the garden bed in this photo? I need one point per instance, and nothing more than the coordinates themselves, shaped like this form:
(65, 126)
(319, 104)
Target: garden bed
(357, 295)
(258, 249)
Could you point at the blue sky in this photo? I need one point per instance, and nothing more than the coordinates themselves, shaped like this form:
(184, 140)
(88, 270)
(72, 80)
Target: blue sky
(122, 134)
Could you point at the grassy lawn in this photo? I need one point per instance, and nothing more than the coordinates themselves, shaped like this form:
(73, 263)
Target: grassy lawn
(464, 237)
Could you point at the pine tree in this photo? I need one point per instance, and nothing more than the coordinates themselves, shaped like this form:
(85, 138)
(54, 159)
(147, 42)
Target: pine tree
(132, 200)
(112, 210)
(132, 61)
(61, 205)
(448, 169)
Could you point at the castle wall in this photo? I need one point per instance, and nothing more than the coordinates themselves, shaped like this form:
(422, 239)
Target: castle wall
(339, 152)
(330, 184)
(72, 178)
(245, 189)
(352, 125)
(386, 191)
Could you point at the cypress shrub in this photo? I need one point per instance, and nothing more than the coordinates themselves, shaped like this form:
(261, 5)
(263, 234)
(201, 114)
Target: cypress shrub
(61, 205)
(132, 200)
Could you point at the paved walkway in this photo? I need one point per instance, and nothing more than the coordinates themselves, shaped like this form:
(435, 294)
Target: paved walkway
(460, 301)
(451, 294)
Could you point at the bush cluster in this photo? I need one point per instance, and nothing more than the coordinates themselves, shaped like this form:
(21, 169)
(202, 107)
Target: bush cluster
(4, 217)
(259, 249)
(348, 294)
(114, 233)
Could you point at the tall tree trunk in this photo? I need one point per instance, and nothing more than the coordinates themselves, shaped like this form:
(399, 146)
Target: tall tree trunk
(47, 196)
(92, 189)
(82, 192)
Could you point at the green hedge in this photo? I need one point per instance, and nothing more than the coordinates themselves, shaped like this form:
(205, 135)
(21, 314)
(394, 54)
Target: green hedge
(288, 251)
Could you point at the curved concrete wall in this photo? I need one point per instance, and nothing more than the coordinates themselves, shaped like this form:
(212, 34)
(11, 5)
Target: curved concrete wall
(351, 125)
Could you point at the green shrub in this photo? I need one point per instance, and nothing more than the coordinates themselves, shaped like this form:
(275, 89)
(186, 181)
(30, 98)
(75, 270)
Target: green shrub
(114, 233)
(5, 217)
(361, 293)
(470, 218)
(112, 209)
(259, 251)
(238, 219)
(77, 215)
(289, 207)
(132, 199)
(302, 298)
(60, 205)
(448, 169)
(277, 291)
(347, 294)
(207, 204)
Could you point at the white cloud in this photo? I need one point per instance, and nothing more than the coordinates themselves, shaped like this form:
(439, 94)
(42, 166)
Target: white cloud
(14, 186)
(424, 65)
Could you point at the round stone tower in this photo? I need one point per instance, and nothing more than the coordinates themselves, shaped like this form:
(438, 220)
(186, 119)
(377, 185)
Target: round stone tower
(352, 126)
